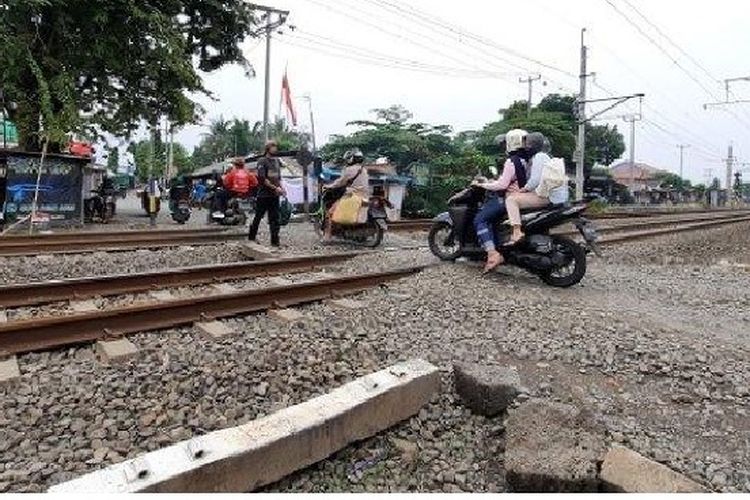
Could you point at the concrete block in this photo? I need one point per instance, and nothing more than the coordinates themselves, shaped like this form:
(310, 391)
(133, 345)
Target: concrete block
(83, 306)
(115, 351)
(3, 316)
(213, 330)
(224, 288)
(244, 458)
(279, 281)
(286, 315)
(9, 371)
(346, 304)
(626, 471)
(161, 295)
(487, 390)
(255, 251)
(551, 448)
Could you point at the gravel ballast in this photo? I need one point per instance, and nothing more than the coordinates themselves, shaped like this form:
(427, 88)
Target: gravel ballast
(656, 348)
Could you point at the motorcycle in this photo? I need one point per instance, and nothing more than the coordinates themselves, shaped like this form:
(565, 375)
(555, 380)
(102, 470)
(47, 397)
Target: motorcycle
(101, 205)
(369, 234)
(179, 204)
(236, 212)
(557, 260)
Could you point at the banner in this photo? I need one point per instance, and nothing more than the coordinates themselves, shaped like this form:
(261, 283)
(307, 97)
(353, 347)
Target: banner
(59, 187)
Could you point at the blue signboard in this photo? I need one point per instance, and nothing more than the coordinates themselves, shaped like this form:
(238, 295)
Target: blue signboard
(60, 187)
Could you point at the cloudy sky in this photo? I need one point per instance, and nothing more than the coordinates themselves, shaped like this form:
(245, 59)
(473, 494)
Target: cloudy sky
(458, 63)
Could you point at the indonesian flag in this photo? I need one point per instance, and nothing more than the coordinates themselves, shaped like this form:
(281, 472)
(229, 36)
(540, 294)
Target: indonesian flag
(286, 97)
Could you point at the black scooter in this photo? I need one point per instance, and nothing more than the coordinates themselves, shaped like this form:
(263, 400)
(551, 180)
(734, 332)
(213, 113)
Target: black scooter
(557, 260)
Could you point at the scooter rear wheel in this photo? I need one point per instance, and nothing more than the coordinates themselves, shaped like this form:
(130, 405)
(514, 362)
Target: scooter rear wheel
(575, 268)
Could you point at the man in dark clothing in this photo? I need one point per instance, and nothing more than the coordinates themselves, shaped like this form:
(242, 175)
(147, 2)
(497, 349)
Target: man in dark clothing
(269, 191)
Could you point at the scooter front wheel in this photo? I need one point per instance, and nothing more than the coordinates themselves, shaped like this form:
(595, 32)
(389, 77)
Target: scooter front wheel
(443, 244)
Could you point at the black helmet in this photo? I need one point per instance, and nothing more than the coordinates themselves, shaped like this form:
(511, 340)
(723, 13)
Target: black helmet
(354, 156)
(535, 142)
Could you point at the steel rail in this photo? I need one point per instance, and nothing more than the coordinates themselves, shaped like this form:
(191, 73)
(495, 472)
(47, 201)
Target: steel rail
(425, 224)
(88, 244)
(27, 294)
(679, 228)
(106, 235)
(56, 332)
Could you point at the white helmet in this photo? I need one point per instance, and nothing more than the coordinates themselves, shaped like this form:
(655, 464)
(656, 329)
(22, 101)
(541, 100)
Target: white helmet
(514, 140)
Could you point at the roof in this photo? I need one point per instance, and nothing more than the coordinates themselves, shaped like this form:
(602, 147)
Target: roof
(36, 154)
(642, 171)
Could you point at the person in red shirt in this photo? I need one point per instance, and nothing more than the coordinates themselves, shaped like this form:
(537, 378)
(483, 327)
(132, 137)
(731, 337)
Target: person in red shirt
(238, 182)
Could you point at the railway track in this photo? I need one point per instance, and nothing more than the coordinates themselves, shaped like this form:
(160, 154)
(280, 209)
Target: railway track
(65, 243)
(62, 331)
(29, 294)
(425, 224)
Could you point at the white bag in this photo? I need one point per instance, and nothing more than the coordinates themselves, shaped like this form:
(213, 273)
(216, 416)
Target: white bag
(553, 177)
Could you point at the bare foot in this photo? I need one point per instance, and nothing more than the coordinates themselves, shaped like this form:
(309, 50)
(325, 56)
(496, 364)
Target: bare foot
(494, 259)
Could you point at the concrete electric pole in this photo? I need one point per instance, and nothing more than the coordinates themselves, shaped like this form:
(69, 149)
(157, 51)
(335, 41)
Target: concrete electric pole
(581, 149)
(730, 168)
(682, 147)
(274, 19)
(530, 81)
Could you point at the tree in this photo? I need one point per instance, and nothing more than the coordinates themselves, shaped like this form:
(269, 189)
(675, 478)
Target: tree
(668, 180)
(108, 65)
(237, 138)
(555, 117)
(391, 136)
(113, 159)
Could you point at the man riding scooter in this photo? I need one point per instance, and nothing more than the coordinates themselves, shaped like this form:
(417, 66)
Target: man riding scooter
(238, 182)
(354, 181)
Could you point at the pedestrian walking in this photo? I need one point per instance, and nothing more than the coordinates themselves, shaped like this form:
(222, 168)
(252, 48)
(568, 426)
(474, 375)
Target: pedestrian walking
(270, 191)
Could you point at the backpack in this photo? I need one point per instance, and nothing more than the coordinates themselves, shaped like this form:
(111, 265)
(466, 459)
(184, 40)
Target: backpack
(285, 211)
(553, 177)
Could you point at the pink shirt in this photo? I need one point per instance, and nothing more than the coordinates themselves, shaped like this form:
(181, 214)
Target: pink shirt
(506, 182)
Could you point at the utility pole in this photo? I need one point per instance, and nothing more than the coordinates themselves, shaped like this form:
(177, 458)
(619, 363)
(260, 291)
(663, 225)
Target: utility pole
(581, 150)
(632, 119)
(274, 18)
(730, 168)
(305, 172)
(530, 81)
(727, 84)
(682, 147)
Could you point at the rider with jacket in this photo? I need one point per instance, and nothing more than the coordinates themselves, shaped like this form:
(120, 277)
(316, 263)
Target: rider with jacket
(354, 180)
(238, 182)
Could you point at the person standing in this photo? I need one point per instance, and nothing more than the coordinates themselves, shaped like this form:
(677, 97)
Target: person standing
(269, 192)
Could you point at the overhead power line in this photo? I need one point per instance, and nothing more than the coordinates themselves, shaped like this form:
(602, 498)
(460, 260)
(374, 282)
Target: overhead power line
(671, 41)
(674, 60)
(483, 44)
(347, 51)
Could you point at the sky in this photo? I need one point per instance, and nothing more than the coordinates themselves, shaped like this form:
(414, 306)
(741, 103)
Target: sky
(459, 63)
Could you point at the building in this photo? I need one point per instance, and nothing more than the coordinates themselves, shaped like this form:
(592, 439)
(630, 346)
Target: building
(638, 177)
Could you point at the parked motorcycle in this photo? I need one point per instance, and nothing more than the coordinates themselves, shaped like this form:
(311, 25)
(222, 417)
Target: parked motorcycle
(369, 234)
(557, 260)
(101, 206)
(179, 203)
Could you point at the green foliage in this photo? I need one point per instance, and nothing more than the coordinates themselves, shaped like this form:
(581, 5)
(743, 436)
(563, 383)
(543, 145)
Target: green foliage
(106, 65)
(113, 159)
(669, 180)
(391, 136)
(555, 118)
(237, 138)
(150, 158)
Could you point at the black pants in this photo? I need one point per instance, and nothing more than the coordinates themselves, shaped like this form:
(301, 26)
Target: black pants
(263, 205)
